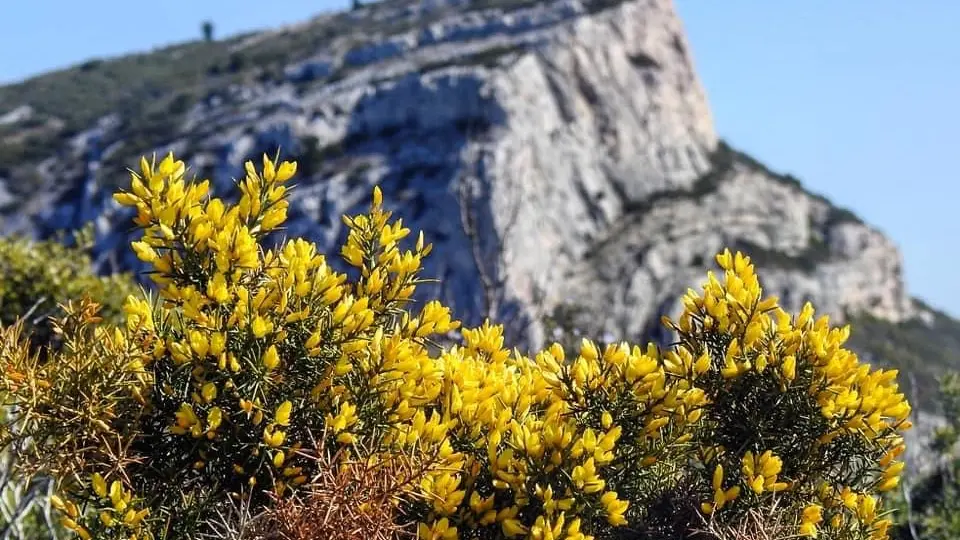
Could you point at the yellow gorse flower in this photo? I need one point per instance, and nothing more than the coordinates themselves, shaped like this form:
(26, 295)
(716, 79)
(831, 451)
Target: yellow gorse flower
(760, 472)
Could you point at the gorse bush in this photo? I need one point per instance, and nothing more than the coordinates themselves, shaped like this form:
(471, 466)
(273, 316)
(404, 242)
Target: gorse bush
(789, 412)
(36, 277)
(221, 388)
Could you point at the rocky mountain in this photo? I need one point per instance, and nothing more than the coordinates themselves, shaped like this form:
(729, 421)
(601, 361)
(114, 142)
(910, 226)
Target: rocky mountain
(560, 154)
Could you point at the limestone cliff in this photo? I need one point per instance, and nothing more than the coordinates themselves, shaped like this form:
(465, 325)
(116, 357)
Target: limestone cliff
(561, 153)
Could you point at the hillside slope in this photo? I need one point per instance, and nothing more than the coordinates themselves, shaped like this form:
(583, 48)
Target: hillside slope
(560, 154)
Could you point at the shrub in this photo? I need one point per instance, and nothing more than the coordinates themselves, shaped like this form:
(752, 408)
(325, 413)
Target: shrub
(935, 500)
(926, 351)
(215, 391)
(37, 276)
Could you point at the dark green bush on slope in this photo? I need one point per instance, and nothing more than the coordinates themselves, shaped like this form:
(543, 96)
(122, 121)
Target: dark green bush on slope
(933, 512)
(923, 351)
(35, 277)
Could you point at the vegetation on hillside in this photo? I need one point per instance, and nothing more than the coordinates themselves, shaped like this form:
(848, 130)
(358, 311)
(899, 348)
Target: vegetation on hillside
(36, 277)
(930, 510)
(723, 161)
(925, 351)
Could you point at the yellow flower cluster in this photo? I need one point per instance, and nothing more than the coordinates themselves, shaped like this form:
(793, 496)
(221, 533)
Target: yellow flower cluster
(253, 353)
(760, 472)
(721, 496)
(535, 451)
(118, 510)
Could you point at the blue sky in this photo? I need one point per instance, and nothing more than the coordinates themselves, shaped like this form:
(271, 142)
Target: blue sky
(859, 99)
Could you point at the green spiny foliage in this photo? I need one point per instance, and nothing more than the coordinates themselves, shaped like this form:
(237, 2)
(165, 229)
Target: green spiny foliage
(35, 279)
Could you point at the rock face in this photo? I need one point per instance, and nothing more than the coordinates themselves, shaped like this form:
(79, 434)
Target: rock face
(562, 153)
(806, 249)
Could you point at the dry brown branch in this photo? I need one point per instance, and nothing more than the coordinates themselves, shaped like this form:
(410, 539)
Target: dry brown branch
(349, 499)
(772, 523)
